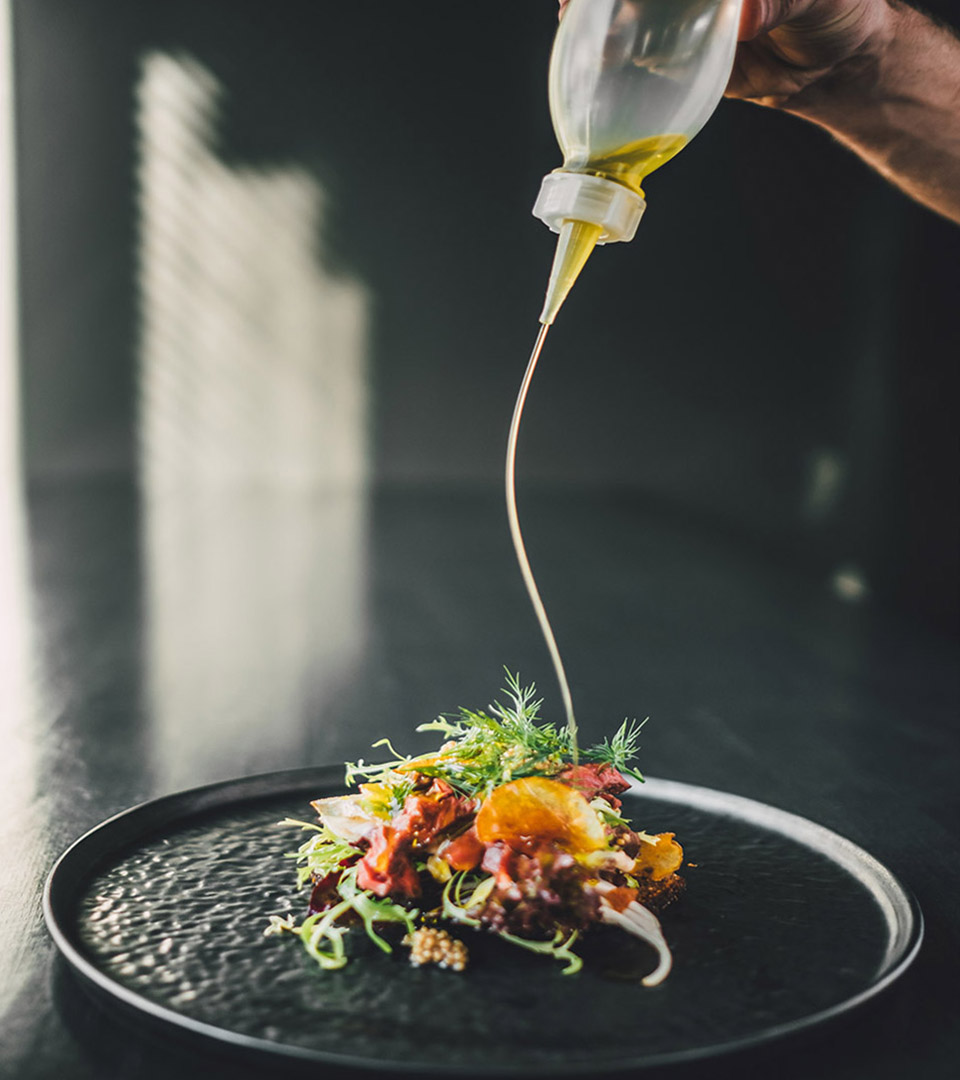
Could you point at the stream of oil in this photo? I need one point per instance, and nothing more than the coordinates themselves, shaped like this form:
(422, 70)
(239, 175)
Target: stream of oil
(628, 165)
(520, 547)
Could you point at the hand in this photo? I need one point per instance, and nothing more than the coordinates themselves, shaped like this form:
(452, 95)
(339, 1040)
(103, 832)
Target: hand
(787, 46)
(879, 75)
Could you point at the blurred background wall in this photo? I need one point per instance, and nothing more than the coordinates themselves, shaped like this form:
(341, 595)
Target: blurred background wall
(288, 244)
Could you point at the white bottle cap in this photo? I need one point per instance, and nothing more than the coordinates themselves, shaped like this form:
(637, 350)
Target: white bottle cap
(571, 196)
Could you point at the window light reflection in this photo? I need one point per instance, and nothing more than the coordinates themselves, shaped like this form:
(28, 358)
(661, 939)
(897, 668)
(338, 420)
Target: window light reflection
(19, 813)
(253, 442)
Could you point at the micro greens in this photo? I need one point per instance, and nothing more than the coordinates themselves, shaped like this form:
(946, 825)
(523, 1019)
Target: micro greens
(373, 909)
(620, 750)
(486, 748)
(322, 937)
(314, 930)
(558, 948)
(321, 854)
(457, 908)
(607, 814)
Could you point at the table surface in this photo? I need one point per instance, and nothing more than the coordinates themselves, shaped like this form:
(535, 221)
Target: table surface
(154, 645)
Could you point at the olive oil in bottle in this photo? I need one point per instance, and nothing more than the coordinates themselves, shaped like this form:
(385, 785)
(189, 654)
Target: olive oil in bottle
(631, 83)
(627, 167)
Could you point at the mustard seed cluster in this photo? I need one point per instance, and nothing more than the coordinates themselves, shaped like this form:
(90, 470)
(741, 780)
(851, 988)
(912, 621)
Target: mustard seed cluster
(429, 946)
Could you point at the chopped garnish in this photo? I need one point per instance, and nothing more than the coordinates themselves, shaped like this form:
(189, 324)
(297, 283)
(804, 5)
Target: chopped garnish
(504, 828)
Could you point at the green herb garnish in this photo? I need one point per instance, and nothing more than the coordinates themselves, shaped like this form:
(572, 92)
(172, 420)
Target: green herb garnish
(484, 749)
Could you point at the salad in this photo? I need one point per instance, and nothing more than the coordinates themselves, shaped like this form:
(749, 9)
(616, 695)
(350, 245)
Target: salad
(506, 828)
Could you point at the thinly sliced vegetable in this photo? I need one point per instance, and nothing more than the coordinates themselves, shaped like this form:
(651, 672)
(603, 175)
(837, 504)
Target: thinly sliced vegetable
(642, 923)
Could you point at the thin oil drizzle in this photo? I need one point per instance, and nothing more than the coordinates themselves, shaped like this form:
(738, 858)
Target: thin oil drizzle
(520, 547)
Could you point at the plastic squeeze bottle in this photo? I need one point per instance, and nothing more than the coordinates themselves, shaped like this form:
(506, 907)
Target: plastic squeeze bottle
(631, 83)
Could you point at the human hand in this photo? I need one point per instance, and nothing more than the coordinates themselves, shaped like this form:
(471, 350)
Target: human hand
(878, 74)
(788, 46)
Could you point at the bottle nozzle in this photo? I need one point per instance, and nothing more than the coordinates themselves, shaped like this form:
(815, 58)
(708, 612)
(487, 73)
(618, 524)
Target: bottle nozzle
(575, 243)
(585, 210)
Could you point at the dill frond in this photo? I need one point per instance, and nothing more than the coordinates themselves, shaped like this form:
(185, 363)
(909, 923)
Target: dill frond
(507, 741)
(620, 750)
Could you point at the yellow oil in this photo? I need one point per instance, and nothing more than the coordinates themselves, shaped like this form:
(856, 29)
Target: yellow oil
(576, 241)
(629, 166)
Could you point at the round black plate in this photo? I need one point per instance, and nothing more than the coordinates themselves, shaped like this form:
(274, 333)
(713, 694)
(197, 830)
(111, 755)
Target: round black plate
(784, 925)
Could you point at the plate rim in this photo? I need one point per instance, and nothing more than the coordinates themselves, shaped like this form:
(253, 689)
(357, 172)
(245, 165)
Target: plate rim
(192, 802)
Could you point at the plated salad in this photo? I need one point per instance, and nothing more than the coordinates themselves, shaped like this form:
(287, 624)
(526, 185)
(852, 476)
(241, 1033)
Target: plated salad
(506, 828)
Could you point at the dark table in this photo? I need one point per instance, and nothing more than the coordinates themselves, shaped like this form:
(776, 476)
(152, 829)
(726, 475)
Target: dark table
(157, 645)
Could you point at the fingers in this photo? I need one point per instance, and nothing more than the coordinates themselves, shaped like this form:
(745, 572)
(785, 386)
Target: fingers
(759, 16)
(756, 16)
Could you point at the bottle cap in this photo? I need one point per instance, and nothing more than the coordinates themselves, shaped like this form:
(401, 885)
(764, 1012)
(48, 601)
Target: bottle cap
(572, 196)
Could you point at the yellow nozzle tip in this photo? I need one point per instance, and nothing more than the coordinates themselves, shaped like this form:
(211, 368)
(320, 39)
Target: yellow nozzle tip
(575, 243)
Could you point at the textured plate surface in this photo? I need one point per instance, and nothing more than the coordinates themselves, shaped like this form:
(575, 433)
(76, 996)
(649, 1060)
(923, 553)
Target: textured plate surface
(784, 925)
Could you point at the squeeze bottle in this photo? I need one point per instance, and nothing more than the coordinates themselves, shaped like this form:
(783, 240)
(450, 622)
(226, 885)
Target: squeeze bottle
(631, 83)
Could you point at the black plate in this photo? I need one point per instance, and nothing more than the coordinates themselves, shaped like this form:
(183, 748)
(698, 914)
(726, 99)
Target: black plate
(784, 925)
